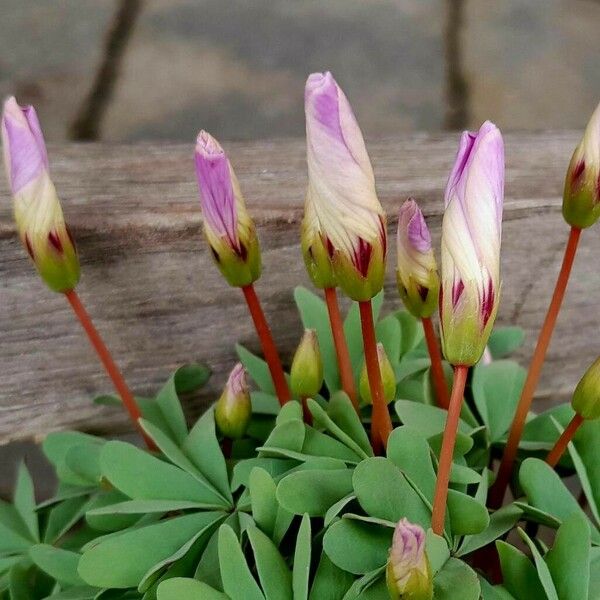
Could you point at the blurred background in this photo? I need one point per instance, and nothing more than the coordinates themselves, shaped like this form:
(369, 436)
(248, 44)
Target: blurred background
(126, 70)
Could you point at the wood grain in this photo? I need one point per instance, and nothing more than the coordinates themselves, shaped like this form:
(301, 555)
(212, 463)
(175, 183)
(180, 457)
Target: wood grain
(154, 294)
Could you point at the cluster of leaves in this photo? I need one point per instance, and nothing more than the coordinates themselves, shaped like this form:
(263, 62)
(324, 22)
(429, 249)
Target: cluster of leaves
(306, 512)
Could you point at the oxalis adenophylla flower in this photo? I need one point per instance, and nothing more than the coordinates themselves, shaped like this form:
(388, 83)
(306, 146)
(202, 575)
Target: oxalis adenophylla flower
(581, 197)
(471, 232)
(417, 276)
(227, 225)
(37, 210)
(408, 573)
(341, 189)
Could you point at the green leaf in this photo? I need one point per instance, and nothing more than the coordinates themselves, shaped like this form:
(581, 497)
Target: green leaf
(428, 420)
(84, 461)
(594, 591)
(505, 340)
(330, 582)
(387, 332)
(257, 369)
(411, 331)
(302, 554)
(238, 582)
(314, 315)
(541, 566)
(437, 551)
(14, 535)
(587, 442)
(383, 492)
(121, 560)
(493, 592)
(59, 564)
(123, 463)
(63, 516)
(467, 516)
(264, 503)
(288, 435)
(501, 521)
(453, 576)
(546, 491)
(409, 451)
(320, 444)
(275, 577)
(520, 576)
(356, 546)
(25, 501)
(274, 466)
(313, 491)
(191, 377)
(264, 404)
(183, 588)
(496, 391)
(569, 559)
(170, 407)
(56, 445)
(343, 415)
(536, 515)
(142, 507)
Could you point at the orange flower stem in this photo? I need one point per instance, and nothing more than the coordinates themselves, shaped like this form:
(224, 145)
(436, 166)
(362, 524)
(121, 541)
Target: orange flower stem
(535, 368)
(564, 439)
(445, 465)
(268, 345)
(109, 364)
(381, 424)
(437, 370)
(341, 347)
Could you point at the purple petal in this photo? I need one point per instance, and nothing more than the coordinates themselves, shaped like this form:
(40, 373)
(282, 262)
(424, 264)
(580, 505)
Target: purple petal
(237, 380)
(216, 189)
(411, 221)
(24, 149)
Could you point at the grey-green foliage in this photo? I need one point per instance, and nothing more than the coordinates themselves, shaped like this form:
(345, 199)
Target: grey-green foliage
(299, 511)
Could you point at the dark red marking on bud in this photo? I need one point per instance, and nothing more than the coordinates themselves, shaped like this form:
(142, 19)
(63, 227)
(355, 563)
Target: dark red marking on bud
(55, 241)
(383, 235)
(423, 291)
(242, 251)
(578, 171)
(362, 257)
(215, 254)
(311, 253)
(487, 303)
(330, 247)
(29, 247)
(457, 290)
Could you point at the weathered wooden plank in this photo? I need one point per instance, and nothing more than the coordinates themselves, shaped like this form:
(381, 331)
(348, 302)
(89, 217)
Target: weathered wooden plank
(154, 294)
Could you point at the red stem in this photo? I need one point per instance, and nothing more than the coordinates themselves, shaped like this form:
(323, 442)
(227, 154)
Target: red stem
(109, 364)
(306, 414)
(268, 345)
(381, 423)
(564, 439)
(341, 347)
(445, 465)
(535, 368)
(437, 370)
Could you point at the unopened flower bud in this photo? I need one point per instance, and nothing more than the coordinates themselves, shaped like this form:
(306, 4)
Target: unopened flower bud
(227, 225)
(471, 232)
(388, 378)
(417, 276)
(37, 210)
(581, 197)
(341, 187)
(306, 374)
(586, 398)
(314, 250)
(234, 409)
(408, 573)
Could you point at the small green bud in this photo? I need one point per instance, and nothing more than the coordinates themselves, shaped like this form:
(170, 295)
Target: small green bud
(315, 254)
(408, 574)
(586, 398)
(581, 196)
(306, 375)
(388, 378)
(234, 409)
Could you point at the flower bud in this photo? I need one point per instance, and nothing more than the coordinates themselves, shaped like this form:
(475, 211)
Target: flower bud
(37, 210)
(586, 398)
(408, 573)
(341, 187)
(471, 232)
(581, 197)
(306, 374)
(417, 276)
(227, 225)
(388, 378)
(314, 251)
(234, 409)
